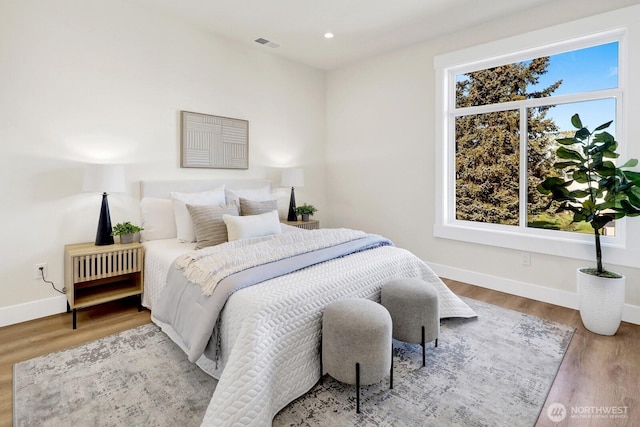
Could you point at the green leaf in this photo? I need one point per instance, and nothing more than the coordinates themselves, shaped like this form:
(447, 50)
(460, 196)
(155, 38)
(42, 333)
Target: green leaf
(566, 141)
(604, 137)
(634, 199)
(580, 176)
(606, 168)
(631, 163)
(579, 216)
(603, 126)
(608, 205)
(561, 194)
(582, 134)
(622, 188)
(599, 221)
(633, 177)
(579, 194)
(565, 153)
(563, 165)
(588, 205)
(629, 209)
(575, 121)
(551, 182)
(607, 181)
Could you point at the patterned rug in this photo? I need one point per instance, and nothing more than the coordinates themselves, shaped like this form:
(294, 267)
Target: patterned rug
(494, 370)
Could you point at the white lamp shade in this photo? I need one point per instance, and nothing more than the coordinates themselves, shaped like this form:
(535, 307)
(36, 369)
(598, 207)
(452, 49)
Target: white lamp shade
(292, 177)
(104, 178)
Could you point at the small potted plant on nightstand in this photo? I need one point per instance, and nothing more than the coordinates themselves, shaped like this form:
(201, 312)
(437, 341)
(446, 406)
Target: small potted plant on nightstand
(306, 210)
(126, 231)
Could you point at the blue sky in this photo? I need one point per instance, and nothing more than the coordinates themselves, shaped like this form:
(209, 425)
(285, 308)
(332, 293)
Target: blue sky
(584, 70)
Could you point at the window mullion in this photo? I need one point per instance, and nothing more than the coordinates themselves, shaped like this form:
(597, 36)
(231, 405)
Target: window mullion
(524, 141)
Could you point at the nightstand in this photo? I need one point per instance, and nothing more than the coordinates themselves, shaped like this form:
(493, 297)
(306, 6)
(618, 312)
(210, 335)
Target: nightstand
(312, 224)
(98, 274)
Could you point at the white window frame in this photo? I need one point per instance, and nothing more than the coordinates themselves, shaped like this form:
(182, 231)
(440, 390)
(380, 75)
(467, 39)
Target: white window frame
(522, 48)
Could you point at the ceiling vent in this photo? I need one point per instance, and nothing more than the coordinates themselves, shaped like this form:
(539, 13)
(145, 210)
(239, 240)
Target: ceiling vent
(267, 42)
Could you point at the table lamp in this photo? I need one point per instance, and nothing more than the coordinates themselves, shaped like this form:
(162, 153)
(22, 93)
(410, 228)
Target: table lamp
(292, 177)
(105, 179)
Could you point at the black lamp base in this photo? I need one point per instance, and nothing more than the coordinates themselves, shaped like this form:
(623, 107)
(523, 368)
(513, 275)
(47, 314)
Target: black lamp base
(103, 236)
(292, 207)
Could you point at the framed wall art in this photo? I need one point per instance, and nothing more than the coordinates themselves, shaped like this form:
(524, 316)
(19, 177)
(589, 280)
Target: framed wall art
(213, 142)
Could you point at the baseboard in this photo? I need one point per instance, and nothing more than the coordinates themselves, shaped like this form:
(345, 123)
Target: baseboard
(630, 314)
(46, 307)
(32, 310)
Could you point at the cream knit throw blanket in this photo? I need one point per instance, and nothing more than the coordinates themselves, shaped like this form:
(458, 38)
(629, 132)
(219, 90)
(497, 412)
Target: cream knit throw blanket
(207, 267)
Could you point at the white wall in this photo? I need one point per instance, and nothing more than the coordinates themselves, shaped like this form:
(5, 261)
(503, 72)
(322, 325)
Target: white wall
(104, 81)
(381, 157)
(84, 81)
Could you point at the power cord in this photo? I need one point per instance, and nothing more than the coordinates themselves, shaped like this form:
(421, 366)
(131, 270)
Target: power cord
(63, 291)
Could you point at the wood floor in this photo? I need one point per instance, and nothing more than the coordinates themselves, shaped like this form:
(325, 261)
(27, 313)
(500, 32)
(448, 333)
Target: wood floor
(597, 374)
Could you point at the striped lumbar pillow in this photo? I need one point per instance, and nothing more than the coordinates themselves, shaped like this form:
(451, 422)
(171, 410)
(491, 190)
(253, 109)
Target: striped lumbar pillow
(208, 225)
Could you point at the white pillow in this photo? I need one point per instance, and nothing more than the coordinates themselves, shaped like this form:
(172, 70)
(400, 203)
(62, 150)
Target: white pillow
(158, 219)
(184, 223)
(243, 227)
(260, 194)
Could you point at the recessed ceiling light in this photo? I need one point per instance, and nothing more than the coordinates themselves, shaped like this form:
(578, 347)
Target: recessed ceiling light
(328, 35)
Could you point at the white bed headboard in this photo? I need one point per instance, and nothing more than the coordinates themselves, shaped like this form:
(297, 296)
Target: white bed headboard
(163, 189)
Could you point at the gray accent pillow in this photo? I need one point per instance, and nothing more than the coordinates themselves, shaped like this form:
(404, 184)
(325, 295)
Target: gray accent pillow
(208, 225)
(257, 207)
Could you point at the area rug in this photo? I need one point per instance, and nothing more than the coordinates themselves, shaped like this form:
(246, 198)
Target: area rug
(495, 370)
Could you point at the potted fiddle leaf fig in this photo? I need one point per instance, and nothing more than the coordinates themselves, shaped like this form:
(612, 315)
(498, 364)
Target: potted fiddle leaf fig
(596, 191)
(305, 210)
(126, 231)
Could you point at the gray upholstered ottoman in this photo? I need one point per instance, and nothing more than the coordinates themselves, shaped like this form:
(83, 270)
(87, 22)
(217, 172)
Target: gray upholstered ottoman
(414, 308)
(356, 343)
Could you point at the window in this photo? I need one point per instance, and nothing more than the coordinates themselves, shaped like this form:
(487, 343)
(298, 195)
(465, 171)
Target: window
(500, 116)
(488, 143)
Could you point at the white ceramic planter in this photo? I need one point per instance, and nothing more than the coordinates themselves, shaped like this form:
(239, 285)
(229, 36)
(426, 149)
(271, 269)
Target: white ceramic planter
(601, 302)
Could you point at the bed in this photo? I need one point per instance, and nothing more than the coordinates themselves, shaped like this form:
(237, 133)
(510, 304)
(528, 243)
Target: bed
(264, 346)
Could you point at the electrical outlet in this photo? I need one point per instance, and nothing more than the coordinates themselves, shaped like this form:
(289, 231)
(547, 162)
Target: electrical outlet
(38, 274)
(526, 258)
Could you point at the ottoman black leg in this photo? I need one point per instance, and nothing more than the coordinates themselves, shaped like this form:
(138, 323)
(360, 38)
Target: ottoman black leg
(391, 373)
(357, 388)
(424, 356)
(321, 382)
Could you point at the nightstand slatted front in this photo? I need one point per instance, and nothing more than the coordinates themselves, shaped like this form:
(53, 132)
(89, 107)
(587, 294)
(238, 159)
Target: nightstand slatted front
(109, 264)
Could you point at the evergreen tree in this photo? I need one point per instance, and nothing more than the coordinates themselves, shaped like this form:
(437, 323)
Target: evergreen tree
(488, 145)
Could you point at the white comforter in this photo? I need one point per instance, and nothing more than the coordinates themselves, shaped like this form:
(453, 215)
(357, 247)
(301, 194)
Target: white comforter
(270, 332)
